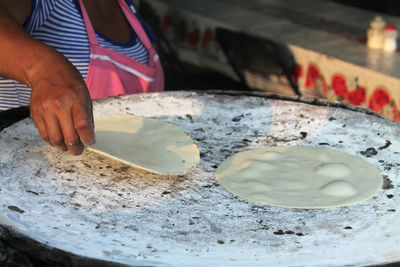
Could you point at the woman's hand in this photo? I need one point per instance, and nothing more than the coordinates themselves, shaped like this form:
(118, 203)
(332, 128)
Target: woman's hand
(62, 109)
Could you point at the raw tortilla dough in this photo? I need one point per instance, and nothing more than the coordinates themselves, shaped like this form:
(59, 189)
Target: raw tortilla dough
(299, 177)
(146, 143)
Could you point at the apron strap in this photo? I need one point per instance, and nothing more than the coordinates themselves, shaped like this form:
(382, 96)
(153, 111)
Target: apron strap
(89, 27)
(135, 24)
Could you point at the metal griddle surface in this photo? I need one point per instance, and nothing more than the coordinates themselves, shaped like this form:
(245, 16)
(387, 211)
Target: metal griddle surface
(90, 206)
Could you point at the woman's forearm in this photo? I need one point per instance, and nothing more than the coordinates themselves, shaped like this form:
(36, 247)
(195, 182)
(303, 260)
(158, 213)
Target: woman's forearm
(22, 57)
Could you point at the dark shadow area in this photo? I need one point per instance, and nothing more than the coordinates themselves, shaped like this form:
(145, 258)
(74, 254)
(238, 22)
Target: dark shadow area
(31, 253)
(8, 117)
(390, 7)
(181, 75)
(256, 56)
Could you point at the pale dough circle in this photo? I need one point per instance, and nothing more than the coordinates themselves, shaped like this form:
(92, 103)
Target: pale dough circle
(149, 144)
(299, 177)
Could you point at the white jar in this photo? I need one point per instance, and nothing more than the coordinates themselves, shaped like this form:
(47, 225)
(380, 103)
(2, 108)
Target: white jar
(375, 33)
(390, 39)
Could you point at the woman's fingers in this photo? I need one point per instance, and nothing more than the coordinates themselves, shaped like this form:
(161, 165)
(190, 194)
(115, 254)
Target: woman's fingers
(82, 115)
(54, 131)
(64, 120)
(41, 126)
(66, 129)
(70, 135)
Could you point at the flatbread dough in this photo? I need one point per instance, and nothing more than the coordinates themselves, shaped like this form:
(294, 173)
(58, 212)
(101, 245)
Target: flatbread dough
(299, 177)
(146, 143)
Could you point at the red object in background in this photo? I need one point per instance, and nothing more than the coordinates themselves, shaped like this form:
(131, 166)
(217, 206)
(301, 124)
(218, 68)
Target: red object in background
(193, 38)
(206, 38)
(313, 74)
(357, 97)
(296, 72)
(390, 28)
(339, 85)
(378, 100)
(166, 23)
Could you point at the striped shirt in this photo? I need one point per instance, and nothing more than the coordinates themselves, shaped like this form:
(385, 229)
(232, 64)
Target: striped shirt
(59, 24)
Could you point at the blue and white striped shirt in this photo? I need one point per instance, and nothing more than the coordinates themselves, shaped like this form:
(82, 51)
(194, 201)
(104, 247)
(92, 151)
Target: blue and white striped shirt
(59, 24)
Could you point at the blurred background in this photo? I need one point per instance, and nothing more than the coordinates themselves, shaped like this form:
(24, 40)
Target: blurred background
(315, 48)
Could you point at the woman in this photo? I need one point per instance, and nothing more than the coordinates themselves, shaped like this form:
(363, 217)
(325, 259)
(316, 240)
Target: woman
(65, 52)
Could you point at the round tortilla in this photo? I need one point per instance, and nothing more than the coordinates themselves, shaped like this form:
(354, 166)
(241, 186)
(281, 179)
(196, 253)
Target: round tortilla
(299, 177)
(146, 143)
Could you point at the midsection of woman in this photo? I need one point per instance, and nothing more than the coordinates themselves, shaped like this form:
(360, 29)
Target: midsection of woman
(59, 24)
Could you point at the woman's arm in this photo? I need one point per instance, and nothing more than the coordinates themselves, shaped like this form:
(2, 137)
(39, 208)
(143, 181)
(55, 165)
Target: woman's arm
(60, 103)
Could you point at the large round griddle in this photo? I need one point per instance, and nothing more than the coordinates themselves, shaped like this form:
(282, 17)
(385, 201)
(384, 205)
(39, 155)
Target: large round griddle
(90, 209)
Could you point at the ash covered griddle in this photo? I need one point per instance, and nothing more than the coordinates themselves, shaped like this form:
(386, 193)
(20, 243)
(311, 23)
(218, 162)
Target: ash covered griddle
(93, 208)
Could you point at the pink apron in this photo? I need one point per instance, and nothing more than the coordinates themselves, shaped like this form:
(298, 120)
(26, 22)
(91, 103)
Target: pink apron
(112, 73)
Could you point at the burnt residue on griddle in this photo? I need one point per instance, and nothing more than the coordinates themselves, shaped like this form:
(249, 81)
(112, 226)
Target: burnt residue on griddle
(16, 209)
(369, 152)
(348, 228)
(86, 165)
(388, 143)
(165, 193)
(237, 118)
(211, 185)
(32, 192)
(190, 117)
(199, 130)
(388, 167)
(279, 232)
(273, 139)
(200, 138)
(122, 169)
(387, 183)
(323, 144)
(288, 232)
(389, 196)
(303, 135)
